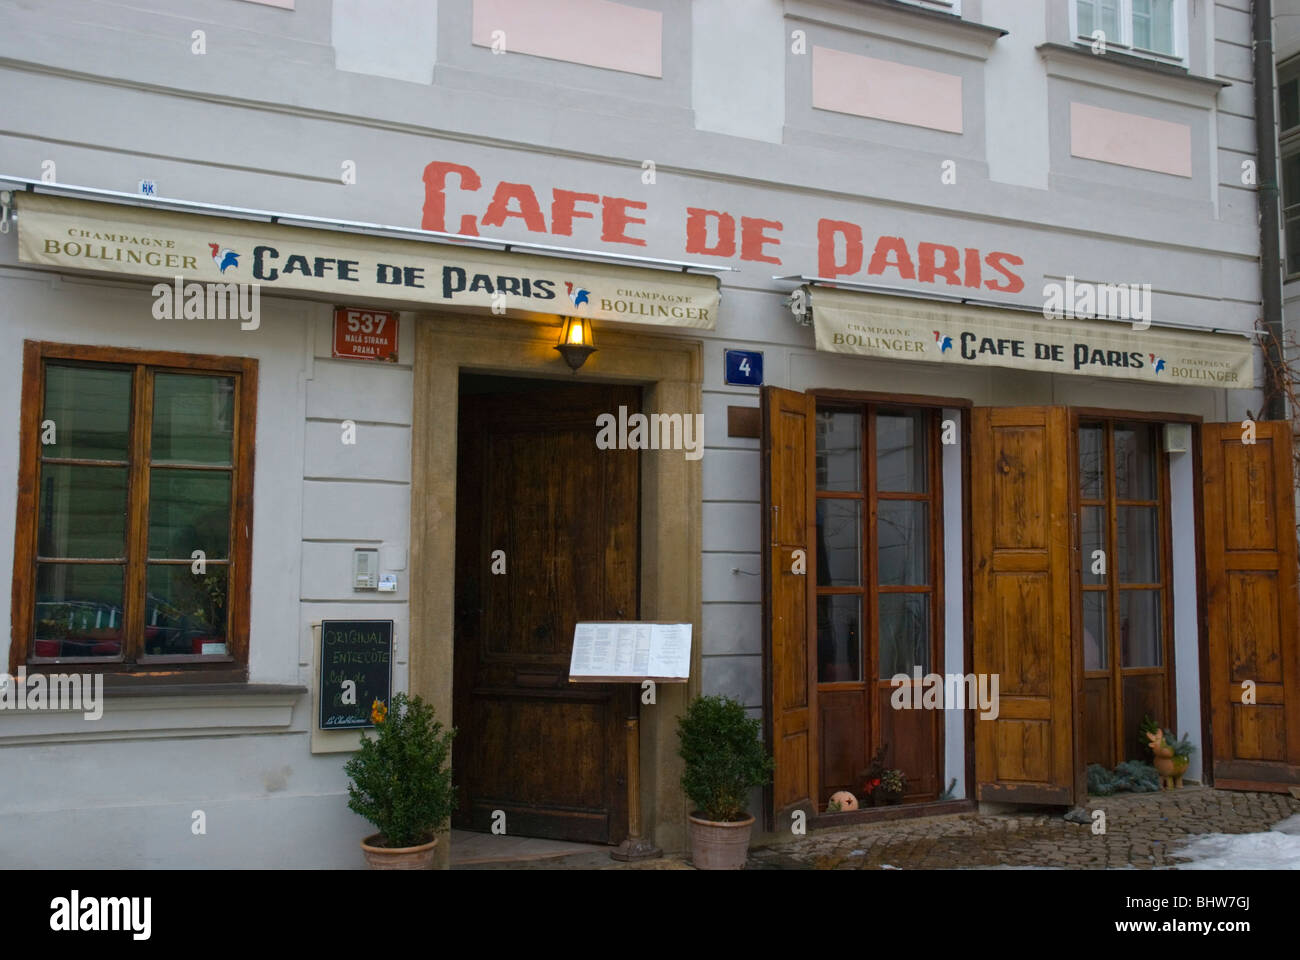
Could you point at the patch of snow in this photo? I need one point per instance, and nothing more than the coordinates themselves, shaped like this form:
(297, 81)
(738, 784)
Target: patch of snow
(1275, 849)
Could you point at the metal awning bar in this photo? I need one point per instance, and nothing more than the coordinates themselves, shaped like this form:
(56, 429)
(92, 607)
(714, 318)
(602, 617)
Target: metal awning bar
(347, 226)
(976, 302)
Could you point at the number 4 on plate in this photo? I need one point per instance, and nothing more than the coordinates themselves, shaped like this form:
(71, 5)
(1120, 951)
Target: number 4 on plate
(743, 368)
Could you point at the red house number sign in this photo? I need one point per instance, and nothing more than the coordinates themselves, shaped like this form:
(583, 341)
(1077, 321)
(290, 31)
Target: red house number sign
(361, 334)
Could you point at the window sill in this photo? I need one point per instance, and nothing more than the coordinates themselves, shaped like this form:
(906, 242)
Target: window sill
(153, 711)
(1066, 58)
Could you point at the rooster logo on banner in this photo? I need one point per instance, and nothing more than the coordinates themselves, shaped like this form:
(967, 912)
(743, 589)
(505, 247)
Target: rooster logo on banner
(576, 297)
(223, 256)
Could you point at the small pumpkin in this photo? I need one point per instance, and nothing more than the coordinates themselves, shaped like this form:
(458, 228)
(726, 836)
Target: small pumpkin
(846, 800)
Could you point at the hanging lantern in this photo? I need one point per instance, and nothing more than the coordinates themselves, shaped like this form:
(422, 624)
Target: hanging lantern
(576, 342)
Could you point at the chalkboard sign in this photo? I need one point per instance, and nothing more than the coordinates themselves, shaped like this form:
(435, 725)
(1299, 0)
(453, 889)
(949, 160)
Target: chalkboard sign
(360, 651)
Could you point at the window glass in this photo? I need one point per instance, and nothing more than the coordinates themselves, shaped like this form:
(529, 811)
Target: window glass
(839, 537)
(900, 452)
(1153, 25)
(1092, 462)
(82, 512)
(189, 510)
(839, 638)
(1139, 628)
(1096, 653)
(1092, 537)
(1135, 462)
(1288, 96)
(78, 610)
(193, 419)
(90, 411)
(185, 613)
(1137, 547)
(904, 633)
(903, 542)
(1293, 244)
(839, 451)
(1100, 15)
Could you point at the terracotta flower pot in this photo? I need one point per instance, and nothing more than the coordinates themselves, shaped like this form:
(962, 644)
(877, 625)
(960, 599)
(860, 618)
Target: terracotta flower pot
(1180, 765)
(398, 858)
(1164, 764)
(720, 845)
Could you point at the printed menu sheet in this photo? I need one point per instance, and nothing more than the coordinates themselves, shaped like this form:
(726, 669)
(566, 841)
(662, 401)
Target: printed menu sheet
(605, 650)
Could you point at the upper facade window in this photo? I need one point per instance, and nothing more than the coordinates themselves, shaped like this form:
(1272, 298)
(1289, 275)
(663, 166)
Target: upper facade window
(947, 6)
(1150, 27)
(133, 547)
(1288, 95)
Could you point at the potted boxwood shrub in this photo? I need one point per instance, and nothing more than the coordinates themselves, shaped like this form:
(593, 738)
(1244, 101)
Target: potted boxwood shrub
(401, 782)
(724, 760)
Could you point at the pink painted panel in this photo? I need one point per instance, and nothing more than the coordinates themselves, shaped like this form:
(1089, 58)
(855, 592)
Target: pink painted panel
(1130, 140)
(884, 90)
(597, 33)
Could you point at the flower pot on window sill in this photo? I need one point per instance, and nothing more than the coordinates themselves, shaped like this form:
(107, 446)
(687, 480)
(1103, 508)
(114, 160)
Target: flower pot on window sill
(398, 858)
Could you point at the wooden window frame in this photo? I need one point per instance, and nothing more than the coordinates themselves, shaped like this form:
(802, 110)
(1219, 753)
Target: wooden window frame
(133, 666)
(1109, 503)
(868, 405)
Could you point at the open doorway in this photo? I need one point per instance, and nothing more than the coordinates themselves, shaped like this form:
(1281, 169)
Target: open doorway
(547, 534)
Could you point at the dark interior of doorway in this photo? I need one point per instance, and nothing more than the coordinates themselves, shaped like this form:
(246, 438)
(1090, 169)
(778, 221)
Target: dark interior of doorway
(547, 534)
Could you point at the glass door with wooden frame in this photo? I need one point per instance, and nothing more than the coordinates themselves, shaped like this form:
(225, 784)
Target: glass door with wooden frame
(1126, 601)
(879, 591)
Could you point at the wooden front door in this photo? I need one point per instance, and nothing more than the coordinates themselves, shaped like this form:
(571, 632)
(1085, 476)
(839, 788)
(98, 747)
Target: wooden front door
(789, 652)
(547, 534)
(1251, 605)
(1020, 591)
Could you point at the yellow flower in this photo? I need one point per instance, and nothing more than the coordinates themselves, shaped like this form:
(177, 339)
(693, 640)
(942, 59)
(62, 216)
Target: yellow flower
(378, 712)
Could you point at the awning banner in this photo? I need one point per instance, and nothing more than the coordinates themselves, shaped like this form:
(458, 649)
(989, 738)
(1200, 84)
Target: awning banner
(165, 244)
(906, 328)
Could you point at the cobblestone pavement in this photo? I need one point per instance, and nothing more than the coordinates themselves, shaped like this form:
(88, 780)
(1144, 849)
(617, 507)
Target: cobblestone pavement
(1142, 831)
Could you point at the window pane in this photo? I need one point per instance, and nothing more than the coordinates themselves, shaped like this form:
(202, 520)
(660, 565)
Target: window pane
(1139, 628)
(1293, 245)
(185, 612)
(1109, 20)
(1092, 462)
(78, 610)
(900, 452)
(1087, 17)
(839, 638)
(1092, 537)
(839, 558)
(1162, 26)
(193, 419)
(1135, 462)
(903, 551)
(83, 511)
(1288, 95)
(189, 510)
(1153, 25)
(1138, 549)
(839, 450)
(91, 410)
(1291, 180)
(1096, 653)
(904, 633)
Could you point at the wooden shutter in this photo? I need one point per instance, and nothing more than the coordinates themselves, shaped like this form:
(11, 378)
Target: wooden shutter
(789, 628)
(1020, 534)
(1251, 605)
